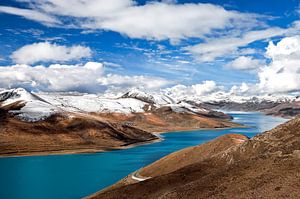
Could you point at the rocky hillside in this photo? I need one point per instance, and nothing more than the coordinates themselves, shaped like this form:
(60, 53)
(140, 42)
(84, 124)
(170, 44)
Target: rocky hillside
(61, 133)
(266, 166)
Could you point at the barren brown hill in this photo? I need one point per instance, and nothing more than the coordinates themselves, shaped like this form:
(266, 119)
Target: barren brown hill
(266, 166)
(164, 120)
(65, 133)
(183, 158)
(84, 132)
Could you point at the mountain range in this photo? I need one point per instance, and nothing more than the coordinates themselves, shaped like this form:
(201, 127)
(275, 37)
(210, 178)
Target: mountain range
(70, 122)
(35, 123)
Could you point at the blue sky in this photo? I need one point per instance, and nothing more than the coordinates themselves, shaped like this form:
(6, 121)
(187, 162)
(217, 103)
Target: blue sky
(165, 51)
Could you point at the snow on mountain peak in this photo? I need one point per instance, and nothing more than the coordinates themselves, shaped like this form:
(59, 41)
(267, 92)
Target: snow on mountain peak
(137, 94)
(33, 108)
(14, 95)
(152, 98)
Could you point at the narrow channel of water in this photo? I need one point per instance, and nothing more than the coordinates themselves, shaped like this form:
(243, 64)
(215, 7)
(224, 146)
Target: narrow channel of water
(79, 175)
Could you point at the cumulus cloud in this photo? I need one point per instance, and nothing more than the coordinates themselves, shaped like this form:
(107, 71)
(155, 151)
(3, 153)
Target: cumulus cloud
(45, 52)
(283, 73)
(245, 63)
(243, 89)
(139, 81)
(89, 77)
(56, 77)
(205, 88)
(153, 20)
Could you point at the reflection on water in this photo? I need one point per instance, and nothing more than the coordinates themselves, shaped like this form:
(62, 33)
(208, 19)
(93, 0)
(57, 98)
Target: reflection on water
(75, 176)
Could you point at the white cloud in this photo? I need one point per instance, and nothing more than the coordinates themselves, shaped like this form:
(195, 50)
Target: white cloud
(153, 20)
(137, 81)
(169, 21)
(30, 14)
(221, 47)
(82, 8)
(283, 73)
(89, 77)
(45, 52)
(245, 63)
(56, 77)
(243, 89)
(205, 88)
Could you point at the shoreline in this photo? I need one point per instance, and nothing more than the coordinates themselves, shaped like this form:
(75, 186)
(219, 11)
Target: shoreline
(106, 149)
(79, 151)
(201, 129)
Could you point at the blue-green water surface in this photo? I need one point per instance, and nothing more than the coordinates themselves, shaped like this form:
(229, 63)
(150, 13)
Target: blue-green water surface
(78, 175)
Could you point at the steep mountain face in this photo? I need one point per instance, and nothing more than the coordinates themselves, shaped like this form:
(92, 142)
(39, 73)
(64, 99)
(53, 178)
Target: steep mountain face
(34, 123)
(266, 166)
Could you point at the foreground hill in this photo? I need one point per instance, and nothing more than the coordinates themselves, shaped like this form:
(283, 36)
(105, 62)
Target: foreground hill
(69, 123)
(266, 166)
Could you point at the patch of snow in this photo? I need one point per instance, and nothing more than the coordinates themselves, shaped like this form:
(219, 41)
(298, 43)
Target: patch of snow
(93, 103)
(35, 111)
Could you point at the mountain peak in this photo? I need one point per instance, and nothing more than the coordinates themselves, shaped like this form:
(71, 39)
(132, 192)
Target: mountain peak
(14, 95)
(140, 95)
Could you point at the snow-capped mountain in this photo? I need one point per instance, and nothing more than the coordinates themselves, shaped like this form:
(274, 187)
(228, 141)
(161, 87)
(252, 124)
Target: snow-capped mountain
(25, 105)
(263, 103)
(233, 102)
(55, 122)
(33, 107)
(221, 96)
(94, 103)
(152, 98)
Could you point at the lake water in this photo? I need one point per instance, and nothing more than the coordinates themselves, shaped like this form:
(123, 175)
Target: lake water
(79, 175)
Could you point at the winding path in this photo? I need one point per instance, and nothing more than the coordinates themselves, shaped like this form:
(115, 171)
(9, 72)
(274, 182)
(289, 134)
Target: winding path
(134, 176)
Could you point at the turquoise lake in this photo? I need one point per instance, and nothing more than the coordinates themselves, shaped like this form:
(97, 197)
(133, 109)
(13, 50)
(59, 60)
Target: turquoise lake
(78, 175)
